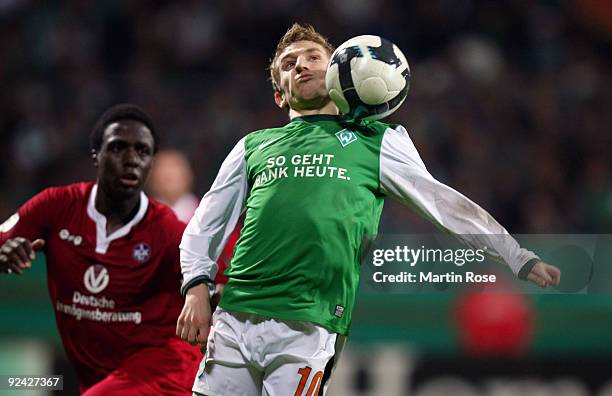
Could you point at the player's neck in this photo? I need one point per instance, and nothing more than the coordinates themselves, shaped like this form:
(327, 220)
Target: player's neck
(118, 212)
(329, 108)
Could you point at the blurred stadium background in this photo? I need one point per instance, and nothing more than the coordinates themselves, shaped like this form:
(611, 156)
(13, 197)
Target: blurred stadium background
(510, 104)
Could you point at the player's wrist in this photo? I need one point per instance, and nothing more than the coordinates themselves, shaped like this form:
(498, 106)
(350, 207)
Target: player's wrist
(199, 280)
(199, 292)
(527, 267)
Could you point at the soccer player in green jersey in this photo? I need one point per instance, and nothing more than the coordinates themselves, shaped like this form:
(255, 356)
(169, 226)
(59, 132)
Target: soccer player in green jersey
(313, 191)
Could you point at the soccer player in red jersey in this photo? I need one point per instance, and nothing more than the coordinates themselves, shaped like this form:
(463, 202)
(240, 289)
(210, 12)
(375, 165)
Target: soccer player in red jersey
(112, 264)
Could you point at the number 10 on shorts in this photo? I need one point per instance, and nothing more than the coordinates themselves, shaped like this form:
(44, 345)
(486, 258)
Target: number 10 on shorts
(315, 382)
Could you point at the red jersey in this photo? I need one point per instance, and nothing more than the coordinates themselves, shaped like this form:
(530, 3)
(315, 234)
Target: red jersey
(113, 295)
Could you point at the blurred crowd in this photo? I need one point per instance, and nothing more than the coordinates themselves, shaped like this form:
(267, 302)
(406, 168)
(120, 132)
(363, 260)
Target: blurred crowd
(508, 99)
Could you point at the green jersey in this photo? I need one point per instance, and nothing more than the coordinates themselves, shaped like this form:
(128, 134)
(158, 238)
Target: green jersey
(313, 192)
(314, 198)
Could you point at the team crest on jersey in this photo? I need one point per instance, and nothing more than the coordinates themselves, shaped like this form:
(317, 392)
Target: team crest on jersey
(142, 252)
(346, 137)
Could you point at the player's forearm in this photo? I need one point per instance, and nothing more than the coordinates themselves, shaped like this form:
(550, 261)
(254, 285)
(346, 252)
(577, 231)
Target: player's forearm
(214, 220)
(476, 227)
(404, 176)
(201, 246)
(460, 216)
(202, 243)
(197, 266)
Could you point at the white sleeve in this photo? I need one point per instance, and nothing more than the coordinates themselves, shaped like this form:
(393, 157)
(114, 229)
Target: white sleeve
(403, 175)
(214, 220)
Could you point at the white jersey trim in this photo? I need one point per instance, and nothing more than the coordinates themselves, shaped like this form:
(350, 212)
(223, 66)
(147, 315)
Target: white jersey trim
(102, 240)
(403, 175)
(10, 223)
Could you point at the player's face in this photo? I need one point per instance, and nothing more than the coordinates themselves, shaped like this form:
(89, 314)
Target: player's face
(171, 176)
(125, 158)
(302, 66)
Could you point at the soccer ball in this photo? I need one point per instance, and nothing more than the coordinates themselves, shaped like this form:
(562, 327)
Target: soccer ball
(368, 77)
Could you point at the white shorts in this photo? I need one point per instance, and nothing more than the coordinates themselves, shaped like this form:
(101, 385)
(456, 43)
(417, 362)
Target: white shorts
(252, 355)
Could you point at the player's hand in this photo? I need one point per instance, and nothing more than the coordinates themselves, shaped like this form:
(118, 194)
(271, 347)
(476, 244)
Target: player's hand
(192, 325)
(17, 254)
(544, 275)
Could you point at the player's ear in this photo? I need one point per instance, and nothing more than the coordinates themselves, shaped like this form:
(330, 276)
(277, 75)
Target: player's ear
(279, 98)
(94, 157)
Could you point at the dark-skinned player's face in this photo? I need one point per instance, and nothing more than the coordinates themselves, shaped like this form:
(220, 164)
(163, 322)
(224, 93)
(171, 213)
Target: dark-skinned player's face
(125, 158)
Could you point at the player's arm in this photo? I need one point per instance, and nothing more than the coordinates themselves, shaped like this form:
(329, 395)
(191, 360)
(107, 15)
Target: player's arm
(404, 176)
(21, 235)
(204, 239)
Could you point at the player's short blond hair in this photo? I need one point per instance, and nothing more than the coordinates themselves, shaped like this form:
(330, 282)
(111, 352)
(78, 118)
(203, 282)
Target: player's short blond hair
(297, 32)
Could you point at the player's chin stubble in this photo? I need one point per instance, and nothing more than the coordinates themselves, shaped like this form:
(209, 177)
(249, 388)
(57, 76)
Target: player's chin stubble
(310, 99)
